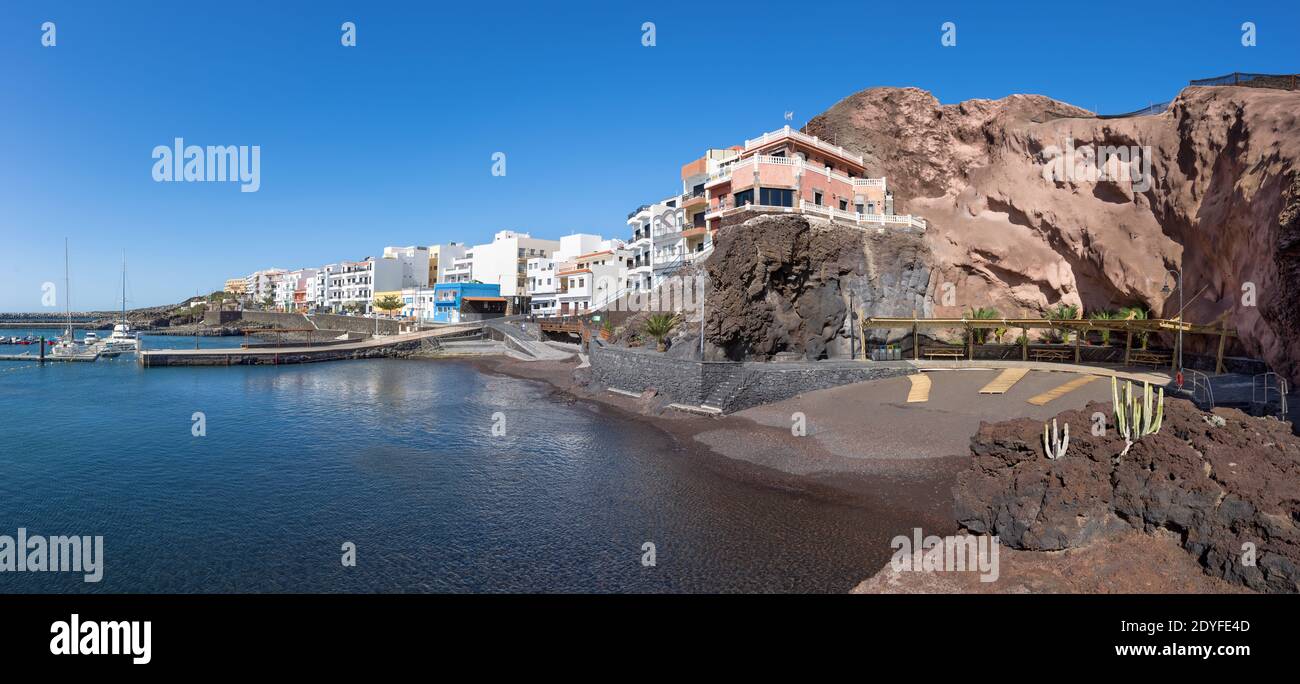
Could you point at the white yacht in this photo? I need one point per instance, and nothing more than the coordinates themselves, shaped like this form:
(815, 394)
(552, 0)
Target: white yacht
(122, 340)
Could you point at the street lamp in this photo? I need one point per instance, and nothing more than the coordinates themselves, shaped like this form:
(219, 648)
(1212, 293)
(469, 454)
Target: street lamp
(1165, 291)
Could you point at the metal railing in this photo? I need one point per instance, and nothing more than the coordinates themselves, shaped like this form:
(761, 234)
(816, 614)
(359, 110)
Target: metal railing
(1260, 387)
(810, 140)
(1202, 391)
(1238, 78)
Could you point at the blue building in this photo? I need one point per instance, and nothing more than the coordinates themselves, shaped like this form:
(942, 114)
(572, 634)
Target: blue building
(457, 302)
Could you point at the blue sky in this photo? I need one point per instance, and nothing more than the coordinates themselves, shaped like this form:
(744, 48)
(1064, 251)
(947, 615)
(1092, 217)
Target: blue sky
(390, 142)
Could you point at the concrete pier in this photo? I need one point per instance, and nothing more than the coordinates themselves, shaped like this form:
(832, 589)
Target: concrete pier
(381, 347)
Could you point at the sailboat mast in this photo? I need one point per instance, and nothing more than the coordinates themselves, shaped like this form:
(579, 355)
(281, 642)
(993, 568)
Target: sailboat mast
(67, 289)
(124, 286)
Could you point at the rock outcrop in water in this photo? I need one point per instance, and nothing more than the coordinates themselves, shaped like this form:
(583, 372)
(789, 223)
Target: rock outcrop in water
(1223, 203)
(1215, 481)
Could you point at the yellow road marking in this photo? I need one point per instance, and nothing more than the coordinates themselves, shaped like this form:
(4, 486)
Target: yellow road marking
(1062, 390)
(920, 388)
(1004, 381)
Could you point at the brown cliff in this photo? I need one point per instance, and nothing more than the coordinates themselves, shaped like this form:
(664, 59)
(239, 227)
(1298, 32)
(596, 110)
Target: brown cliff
(1223, 204)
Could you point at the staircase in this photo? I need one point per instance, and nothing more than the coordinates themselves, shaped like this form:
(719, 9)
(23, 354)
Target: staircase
(724, 393)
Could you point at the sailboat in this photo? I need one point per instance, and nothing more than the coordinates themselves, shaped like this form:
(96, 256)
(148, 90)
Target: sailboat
(122, 340)
(67, 346)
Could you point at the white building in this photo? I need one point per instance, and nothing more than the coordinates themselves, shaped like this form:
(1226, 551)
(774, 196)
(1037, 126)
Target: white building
(418, 303)
(442, 258)
(261, 284)
(640, 275)
(549, 289)
(461, 270)
(290, 288)
(504, 262)
(592, 281)
(413, 263)
(318, 289)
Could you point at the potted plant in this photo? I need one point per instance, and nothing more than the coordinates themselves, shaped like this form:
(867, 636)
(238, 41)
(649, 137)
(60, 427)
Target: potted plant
(606, 330)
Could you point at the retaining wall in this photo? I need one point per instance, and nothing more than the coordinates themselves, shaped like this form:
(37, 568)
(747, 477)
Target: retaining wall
(730, 386)
(356, 324)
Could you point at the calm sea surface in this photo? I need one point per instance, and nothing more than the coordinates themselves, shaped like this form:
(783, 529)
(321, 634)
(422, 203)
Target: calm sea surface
(398, 458)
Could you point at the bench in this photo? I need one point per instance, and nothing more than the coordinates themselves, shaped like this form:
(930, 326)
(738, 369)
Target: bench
(1151, 358)
(949, 352)
(1051, 355)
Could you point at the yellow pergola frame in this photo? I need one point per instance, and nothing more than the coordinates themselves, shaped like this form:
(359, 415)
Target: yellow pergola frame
(1125, 325)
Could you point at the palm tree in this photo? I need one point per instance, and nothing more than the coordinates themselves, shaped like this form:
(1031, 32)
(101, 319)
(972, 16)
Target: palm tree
(981, 314)
(1104, 316)
(1062, 312)
(659, 326)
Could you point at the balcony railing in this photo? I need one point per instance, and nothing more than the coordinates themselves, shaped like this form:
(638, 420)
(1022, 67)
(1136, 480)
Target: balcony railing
(804, 207)
(803, 167)
(810, 140)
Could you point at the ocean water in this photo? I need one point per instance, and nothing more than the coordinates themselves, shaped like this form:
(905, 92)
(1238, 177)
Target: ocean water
(399, 458)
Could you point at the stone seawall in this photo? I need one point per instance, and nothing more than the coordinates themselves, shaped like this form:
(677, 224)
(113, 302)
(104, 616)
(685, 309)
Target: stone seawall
(729, 386)
(269, 357)
(357, 324)
(326, 322)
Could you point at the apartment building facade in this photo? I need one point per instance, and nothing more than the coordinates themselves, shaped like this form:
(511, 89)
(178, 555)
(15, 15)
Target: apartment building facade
(592, 281)
(545, 284)
(290, 289)
(442, 258)
(260, 285)
(789, 171)
(504, 262)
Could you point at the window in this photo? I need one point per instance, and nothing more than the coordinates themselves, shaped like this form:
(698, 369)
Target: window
(698, 220)
(844, 205)
(776, 197)
(817, 198)
(859, 208)
(744, 197)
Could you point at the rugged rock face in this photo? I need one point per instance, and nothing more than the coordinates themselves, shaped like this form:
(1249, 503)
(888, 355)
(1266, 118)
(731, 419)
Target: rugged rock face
(1223, 203)
(1217, 481)
(783, 284)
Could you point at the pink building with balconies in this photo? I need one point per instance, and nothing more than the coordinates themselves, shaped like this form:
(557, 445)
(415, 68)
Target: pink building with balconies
(789, 171)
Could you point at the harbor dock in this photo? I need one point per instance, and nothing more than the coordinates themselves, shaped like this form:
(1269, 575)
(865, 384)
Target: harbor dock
(48, 358)
(378, 347)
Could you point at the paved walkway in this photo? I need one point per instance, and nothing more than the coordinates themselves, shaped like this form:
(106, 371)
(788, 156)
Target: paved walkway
(874, 420)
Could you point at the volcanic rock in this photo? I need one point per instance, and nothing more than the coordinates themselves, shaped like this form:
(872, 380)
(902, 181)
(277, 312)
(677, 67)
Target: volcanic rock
(782, 285)
(1222, 206)
(1227, 492)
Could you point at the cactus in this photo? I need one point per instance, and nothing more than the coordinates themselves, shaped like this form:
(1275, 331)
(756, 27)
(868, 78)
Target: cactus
(1135, 418)
(1055, 445)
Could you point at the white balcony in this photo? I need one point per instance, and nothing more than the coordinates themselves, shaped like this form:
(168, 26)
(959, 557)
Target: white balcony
(805, 207)
(810, 140)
